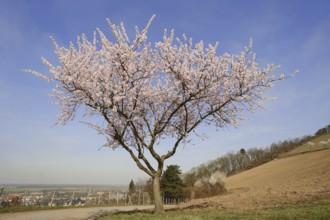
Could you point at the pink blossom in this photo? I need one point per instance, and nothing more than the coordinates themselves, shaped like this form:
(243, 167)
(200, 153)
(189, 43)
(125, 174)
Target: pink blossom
(150, 91)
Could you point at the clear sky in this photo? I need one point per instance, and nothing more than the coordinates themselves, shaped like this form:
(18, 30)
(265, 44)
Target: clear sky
(294, 34)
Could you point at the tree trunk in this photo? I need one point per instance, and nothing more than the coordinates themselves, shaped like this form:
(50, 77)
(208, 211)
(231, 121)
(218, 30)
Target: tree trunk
(159, 207)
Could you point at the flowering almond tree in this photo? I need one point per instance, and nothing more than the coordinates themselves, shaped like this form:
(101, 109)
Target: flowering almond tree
(148, 92)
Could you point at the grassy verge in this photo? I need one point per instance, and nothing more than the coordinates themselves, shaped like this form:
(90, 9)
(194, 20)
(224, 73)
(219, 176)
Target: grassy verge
(23, 209)
(39, 208)
(319, 210)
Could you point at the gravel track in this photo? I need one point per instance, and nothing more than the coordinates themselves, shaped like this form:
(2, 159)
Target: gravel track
(73, 214)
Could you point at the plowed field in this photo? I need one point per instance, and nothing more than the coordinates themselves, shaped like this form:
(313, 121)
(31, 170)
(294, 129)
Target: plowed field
(292, 180)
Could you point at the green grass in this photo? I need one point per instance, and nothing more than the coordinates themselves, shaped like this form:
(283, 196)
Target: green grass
(319, 210)
(25, 209)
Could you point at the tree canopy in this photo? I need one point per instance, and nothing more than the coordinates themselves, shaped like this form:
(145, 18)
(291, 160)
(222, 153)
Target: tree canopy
(171, 184)
(131, 187)
(147, 92)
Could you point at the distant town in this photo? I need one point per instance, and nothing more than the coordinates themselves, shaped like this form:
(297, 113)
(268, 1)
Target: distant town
(68, 195)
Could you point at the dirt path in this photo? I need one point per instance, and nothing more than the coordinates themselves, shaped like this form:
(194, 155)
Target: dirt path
(71, 214)
(292, 180)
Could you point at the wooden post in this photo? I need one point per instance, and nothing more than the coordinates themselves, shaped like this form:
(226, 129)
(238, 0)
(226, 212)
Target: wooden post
(139, 197)
(109, 197)
(51, 201)
(89, 192)
(72, 197)
(99, 198)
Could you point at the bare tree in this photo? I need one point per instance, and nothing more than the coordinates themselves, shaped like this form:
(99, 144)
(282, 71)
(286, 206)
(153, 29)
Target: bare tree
(147, 92)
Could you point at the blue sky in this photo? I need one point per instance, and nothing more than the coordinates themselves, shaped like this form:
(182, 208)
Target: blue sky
(294, 34)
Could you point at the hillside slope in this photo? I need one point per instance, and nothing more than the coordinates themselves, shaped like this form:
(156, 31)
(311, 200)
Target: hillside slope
(304, 148)
(291, 180)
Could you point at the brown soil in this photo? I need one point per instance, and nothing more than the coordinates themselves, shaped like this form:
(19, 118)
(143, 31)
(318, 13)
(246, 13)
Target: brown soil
(293, 180)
